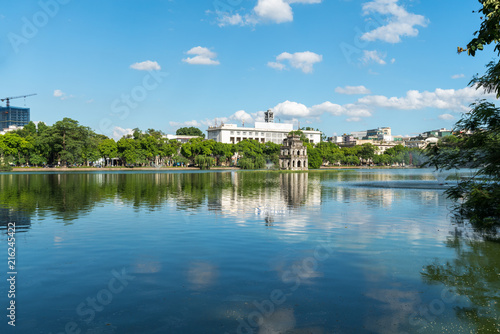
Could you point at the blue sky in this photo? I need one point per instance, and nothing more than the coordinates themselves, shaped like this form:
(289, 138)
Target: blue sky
(335, 65)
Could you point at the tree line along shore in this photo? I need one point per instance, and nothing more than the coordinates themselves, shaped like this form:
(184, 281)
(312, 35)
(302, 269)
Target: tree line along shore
(69, 144)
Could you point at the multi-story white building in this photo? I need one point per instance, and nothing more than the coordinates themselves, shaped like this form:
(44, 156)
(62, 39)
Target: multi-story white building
(262, 132)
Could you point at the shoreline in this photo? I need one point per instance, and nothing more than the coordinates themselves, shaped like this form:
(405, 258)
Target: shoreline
(168, 169)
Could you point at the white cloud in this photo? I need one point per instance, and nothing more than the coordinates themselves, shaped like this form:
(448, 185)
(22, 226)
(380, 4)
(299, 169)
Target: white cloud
(351, 109)
(458, 76)
(186, 123)
(62, 95)
(276, 65)
(352, 90)
(118, 132)
(449, 99)
(446, 117)
(277, 11)
(266, 11)
(231, 20)
(373, 56)
(292, 112)
(241, 116)
(400, 22)
(202, 56)
(299, 60)
(292, 109)
(304, 1)
(147, 65)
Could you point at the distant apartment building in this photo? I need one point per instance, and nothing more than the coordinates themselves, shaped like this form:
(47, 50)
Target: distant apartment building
(351, 140)
(383, 133)
(359, 134)
(437, 133)
(335, 139)
(379, 134)
(262, 132)
(13, 116)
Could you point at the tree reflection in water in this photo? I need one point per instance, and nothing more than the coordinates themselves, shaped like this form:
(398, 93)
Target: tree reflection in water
(475, 274)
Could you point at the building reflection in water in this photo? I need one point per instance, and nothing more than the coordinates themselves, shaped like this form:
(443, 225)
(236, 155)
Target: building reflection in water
(293, 188)
(268, 196)
(21, 220)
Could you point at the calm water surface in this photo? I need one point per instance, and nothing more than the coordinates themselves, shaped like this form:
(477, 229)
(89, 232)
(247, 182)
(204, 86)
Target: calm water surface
(368, 251)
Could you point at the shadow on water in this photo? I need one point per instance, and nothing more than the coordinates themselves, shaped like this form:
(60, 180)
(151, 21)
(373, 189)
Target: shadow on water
(474, 274)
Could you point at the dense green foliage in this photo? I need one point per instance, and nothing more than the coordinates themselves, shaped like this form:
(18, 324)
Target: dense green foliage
(190, 131)
(477, 143)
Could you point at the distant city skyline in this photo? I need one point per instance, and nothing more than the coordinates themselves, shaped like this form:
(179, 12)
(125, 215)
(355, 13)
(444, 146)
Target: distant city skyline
(339, 66)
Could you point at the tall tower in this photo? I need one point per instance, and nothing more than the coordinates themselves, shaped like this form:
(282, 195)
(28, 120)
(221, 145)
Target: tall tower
(269, 116)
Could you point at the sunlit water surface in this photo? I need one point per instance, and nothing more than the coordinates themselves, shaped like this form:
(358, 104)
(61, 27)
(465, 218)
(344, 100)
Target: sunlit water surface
(365, 251)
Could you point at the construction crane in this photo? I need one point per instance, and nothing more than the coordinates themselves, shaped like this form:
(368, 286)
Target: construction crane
(7, 99)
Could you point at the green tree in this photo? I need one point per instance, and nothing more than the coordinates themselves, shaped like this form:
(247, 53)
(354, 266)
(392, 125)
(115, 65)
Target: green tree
(190, 131)
(204, 162)
(314, 157)
(169, 148)
(67, 139)
(246, 163)
(108, 149)
(223, 152)
(301, 134)
(253, 154)
(127, 151)
(367, 152)
(478, 132)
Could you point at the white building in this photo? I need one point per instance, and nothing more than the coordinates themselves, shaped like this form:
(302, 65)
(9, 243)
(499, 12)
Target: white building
(11, 128)
(262, 132)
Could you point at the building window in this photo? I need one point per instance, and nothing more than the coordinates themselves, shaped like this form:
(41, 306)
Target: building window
(232, 132)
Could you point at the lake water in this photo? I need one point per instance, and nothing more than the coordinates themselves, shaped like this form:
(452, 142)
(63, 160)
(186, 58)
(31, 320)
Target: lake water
(360, 251)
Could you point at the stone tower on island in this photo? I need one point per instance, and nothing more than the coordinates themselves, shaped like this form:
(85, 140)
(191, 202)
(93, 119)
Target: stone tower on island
(293, 155)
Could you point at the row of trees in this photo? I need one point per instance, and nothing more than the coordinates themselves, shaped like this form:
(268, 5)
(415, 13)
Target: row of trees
(69, 143)
(66, 141)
